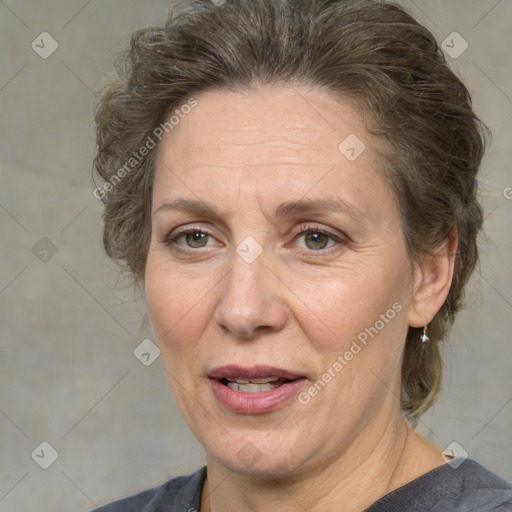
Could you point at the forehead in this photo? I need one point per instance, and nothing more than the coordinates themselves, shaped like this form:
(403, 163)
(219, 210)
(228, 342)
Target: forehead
(299, 140)
(269, 117)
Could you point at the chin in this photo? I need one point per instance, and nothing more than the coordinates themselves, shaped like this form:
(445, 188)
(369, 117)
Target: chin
(256, 454)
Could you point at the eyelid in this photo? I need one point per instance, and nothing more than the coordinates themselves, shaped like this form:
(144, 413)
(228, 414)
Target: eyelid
(306, 228)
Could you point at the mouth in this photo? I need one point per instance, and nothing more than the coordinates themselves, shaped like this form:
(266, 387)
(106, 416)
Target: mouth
(254, 390)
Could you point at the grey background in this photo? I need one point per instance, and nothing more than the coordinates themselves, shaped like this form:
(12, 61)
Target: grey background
(69, 326)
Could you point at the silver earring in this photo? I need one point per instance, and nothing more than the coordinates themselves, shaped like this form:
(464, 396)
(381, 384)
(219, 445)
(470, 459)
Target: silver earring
(424, 338)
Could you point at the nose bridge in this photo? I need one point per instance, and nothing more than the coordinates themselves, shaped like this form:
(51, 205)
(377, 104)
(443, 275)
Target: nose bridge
(249, 298)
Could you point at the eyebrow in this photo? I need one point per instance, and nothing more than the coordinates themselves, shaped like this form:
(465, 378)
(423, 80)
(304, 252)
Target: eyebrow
(286, 209)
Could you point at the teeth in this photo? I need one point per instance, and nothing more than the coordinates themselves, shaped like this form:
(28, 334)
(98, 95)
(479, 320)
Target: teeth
(254, 381)
(252, 387)
(264, 381)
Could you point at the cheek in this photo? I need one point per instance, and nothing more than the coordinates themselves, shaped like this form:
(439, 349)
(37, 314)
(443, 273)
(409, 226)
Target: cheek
(177, 307)
(343, 318)
(338, 309)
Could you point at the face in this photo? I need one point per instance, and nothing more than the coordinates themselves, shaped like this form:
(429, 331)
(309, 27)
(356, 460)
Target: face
(277, 256)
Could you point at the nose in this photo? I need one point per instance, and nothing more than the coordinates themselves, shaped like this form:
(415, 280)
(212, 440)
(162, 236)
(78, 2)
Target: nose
(251, 299)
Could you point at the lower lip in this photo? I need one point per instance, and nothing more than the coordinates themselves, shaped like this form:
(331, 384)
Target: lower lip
(256, 403)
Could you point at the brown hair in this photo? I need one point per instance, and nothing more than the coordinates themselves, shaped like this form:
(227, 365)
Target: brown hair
(371, 52)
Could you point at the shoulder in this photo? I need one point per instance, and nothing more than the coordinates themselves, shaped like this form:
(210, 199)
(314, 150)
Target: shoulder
(483, 490)
(181, 494)
(458, 486)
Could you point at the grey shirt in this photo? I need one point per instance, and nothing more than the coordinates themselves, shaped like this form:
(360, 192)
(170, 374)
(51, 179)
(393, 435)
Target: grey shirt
(469, 487)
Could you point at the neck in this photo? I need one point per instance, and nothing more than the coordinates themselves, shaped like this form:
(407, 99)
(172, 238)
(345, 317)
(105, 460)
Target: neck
(376, 463)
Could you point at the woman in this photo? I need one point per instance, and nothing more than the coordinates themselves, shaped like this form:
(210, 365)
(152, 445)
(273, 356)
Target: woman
(293, 183)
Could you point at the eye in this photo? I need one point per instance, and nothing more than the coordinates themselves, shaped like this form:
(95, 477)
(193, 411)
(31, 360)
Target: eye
(317, 239)
(193, 238)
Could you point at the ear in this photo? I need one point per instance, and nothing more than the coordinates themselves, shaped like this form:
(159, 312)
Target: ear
(432, 281)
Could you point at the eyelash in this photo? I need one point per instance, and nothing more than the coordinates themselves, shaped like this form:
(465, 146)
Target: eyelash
(171, 240)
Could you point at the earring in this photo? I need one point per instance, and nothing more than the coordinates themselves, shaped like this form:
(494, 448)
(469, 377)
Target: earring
(424, 338)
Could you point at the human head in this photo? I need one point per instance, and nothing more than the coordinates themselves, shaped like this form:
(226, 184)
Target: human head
(370, 53)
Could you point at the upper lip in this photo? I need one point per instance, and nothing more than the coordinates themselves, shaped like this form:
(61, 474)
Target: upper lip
(234, 371)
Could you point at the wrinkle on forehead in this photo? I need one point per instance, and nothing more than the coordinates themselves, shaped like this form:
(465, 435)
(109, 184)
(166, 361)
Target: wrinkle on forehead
(280, 112)
(280, 145)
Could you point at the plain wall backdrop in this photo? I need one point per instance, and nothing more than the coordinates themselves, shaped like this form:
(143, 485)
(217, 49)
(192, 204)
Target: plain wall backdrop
(69, 327)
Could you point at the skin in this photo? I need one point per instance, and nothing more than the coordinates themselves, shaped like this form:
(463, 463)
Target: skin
(297, 306)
